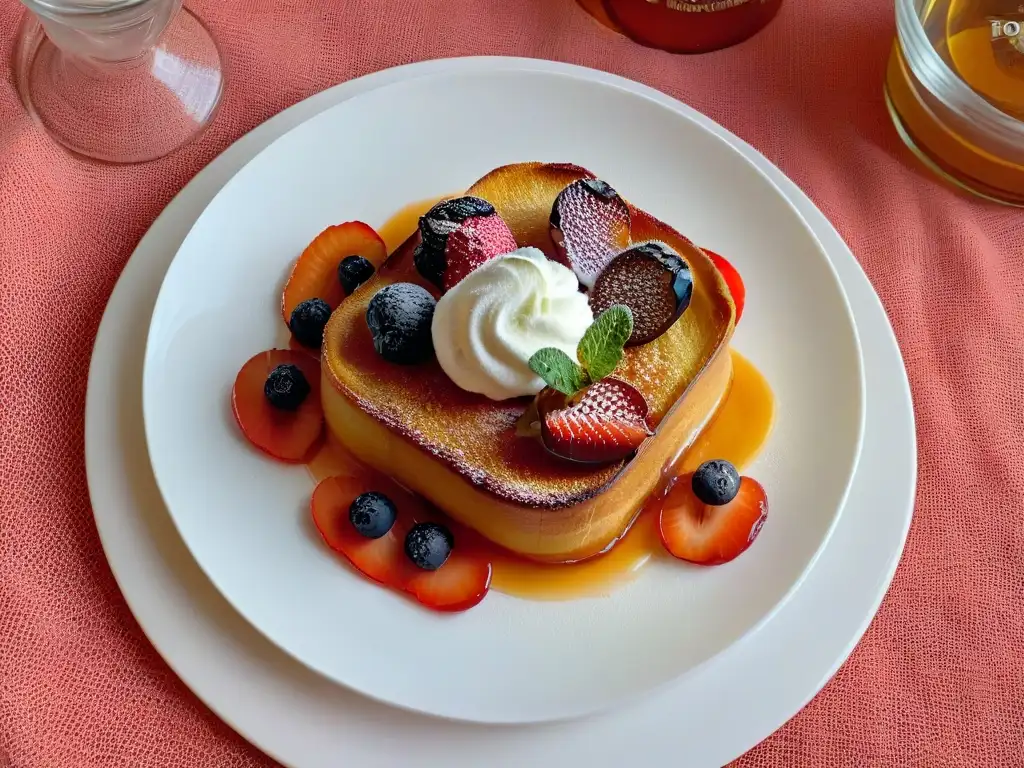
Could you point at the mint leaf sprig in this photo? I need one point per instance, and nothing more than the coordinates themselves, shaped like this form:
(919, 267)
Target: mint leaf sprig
(599, 353)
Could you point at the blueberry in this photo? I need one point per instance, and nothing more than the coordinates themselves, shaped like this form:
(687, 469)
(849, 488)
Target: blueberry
(716, 482)
(435, 226)
(286, 387)
(428, 545)
(399, 317)
(308, 320)
(353, 271)
(372, 514)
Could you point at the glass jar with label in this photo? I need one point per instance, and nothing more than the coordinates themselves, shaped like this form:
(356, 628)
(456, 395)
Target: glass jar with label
(955, 89)
(685, 26)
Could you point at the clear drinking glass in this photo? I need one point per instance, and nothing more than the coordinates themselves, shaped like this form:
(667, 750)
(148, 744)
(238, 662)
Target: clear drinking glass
(955, 90)
(122, 81)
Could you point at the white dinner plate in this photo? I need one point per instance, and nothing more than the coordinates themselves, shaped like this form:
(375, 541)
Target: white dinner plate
(507, 661)
(303, 721)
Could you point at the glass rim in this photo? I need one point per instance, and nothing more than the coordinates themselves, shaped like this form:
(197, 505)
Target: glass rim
(943, 83)
(64, 8)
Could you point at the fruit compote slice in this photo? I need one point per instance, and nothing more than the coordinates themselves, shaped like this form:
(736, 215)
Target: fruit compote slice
(315, 274)
(287, 435)
(461, 583)
(383, 559)
(708, 534)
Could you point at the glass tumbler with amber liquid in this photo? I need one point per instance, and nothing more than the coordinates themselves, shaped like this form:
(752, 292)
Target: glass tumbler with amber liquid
(685, 26)
(955, 89)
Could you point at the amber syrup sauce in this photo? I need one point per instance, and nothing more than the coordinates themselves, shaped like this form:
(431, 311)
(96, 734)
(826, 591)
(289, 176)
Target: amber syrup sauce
(736, 432)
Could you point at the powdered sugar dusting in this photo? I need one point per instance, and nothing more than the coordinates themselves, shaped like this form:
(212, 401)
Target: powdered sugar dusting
(477, 240)
(592, 228)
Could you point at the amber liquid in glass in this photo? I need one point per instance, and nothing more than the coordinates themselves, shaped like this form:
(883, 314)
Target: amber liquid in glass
(685, 26)
(982, 42)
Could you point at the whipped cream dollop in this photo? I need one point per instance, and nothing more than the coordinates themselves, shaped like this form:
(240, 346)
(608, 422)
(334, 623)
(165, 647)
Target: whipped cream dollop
(486, 328)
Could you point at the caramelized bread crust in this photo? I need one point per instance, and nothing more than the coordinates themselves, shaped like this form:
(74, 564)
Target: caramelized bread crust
(473, 437)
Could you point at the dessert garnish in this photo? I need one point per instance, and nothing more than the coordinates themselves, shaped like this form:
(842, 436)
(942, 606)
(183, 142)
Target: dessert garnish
(428, 545)
(308, 320)
(715, 482)
(399, 317)
(286, 387)
(315, 274)
(732, 279)
(372, 514)
(584, 415)
(711, 516)
(589, 225)
(435, 227)
(415, 555)
(276, 402)
(486, 328)
(653, 281)
(477, 239)
(604, 422)
(353, 271)
(599, 352)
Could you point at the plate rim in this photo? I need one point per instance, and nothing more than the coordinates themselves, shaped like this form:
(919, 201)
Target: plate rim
(337, 92)
(518, 714)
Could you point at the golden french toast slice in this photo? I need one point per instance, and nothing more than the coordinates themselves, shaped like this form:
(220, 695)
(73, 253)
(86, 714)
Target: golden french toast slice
(461, 451)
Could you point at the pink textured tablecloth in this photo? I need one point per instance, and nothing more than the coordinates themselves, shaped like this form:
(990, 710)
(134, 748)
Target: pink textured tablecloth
(939, 678)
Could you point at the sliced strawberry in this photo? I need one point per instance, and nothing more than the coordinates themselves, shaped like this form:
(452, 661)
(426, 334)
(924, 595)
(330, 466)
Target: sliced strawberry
(462, 582)
(383, 559)
(606, 422)
(458, 585)
(477, 239)
(589, 225)
(711, 535)
(315, 274)
(732, 279)
(288, 435)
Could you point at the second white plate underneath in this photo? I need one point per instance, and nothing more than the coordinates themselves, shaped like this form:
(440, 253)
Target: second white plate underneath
(244, 517)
